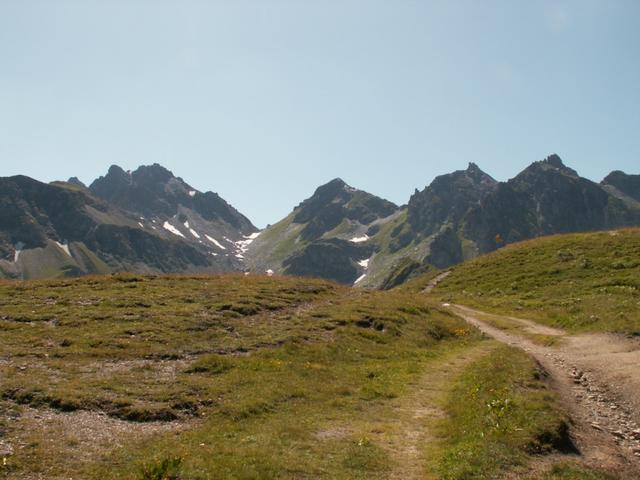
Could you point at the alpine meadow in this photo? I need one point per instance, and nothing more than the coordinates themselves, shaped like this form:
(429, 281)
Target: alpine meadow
(295, 240)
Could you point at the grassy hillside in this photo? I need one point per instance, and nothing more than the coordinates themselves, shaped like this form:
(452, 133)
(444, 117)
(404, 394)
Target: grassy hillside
(249, 377)
(580, 282)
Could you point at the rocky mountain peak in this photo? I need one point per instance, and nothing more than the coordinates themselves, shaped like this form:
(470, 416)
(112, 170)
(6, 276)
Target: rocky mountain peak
(151, 220)
(336, 182)
(115, 181)
(336, 201)
(551, 164)
(625, 184)
(474, 169)
(77, 182)
(153, 191)
(478, 176)
(447, 198)
(152, 174)
(615, 174)
(545, 198)
(554, 160)
(116, 173)
(142, 191)
(146, 175)
(331, 192)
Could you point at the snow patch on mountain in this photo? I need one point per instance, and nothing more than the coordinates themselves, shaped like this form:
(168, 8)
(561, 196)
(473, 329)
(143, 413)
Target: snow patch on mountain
(172, 229)
(18, 246)
(360, 278)
(64, 246)
(215, 242)
(364, 238)
(243, 245)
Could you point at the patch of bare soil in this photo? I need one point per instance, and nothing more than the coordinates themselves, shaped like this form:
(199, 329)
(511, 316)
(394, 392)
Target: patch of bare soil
(433, 283)
(611, 360)
(533, 327)
(598, 380)
(36, 441)
(74, 438)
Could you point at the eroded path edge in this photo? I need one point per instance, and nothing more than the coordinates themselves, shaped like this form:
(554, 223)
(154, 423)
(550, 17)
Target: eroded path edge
(603, 426)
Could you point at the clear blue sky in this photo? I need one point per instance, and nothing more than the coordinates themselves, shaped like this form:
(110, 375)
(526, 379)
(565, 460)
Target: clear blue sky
(264, 100)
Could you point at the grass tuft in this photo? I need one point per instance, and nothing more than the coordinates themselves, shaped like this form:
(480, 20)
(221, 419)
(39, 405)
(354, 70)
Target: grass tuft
(166, 469)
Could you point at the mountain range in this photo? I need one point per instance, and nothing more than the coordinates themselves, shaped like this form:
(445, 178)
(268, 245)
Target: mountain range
(151, 221)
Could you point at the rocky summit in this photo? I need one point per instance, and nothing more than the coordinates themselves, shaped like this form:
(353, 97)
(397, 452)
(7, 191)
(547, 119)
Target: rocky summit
(149, 220)
(327, 235)
(624, 186)
(350, 236)
(144, 221)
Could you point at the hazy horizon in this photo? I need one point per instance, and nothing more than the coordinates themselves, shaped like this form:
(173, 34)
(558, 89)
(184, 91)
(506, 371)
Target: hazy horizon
(268, 100)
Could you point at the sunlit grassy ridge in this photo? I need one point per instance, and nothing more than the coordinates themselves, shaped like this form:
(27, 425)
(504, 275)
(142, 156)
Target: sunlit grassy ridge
(233, 377)
(581, 282)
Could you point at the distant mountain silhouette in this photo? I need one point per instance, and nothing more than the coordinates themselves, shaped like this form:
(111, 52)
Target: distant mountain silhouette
(149, 220)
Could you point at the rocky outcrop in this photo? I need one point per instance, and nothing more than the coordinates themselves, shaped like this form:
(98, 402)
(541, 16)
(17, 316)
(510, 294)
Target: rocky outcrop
(447, 199)
(153, 191)
(624, 185)
(62, 229)
(335, 202)
(331, 259)
(458, 216)
(325, 236)
(546, 198)
(151, 220)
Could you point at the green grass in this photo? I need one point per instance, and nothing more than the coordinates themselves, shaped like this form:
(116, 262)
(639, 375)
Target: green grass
(502, 416)
(273, 405)
(579, 282)
(66, 332)
(91, 261)
(241, 377)
(391, 263)
(253, 368)
(384, 237)
(49, 261)
(343, 228)
(405, 269)
(572, 471)
(276, 243)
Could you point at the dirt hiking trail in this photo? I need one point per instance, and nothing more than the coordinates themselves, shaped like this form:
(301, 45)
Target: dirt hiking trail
(597, 377)
(413, 424)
